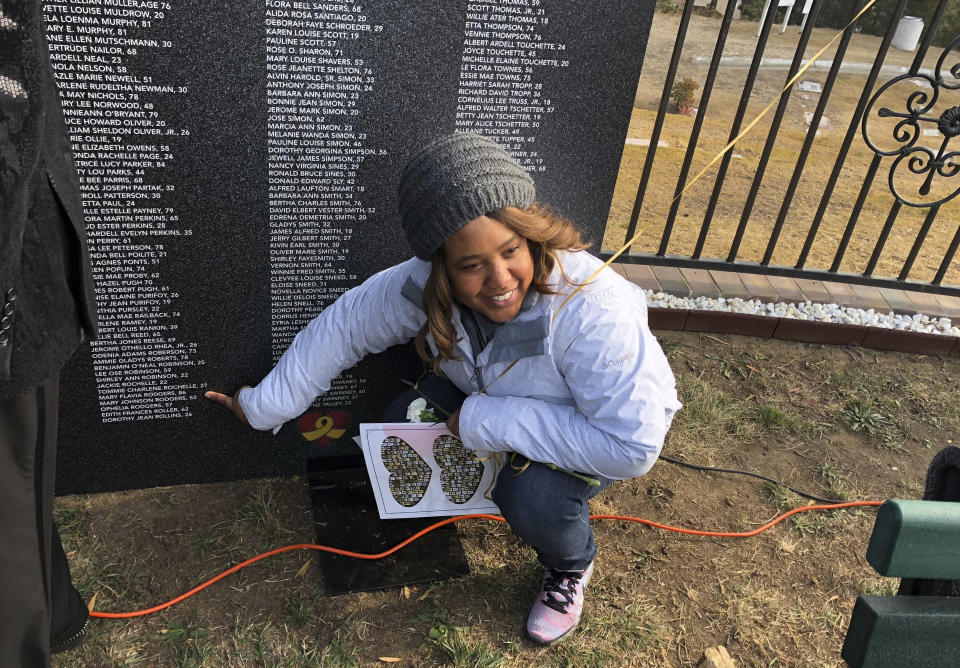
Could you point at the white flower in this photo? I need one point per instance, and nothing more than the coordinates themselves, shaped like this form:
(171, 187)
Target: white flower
(414, 409)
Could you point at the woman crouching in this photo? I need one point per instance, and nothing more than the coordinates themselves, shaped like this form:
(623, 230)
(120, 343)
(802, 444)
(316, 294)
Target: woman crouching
(580, 395)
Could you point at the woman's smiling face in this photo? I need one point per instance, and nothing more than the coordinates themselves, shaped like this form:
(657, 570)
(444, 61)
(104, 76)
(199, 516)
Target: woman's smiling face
(490, 268)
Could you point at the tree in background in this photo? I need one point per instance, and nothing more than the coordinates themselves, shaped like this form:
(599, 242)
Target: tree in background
(836, 14)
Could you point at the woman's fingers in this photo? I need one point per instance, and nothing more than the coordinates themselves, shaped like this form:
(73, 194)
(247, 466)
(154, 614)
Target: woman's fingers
(229, 402)
(220, 398)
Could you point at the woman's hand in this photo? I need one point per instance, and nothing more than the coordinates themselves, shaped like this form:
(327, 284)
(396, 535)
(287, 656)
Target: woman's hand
(453, 423)
(230, 402)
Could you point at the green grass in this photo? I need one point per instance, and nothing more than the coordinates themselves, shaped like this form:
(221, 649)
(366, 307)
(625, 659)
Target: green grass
(821, 524)
(261, 644)
(207, 542)
(462, 648)
(189, 643)
(878, 586)
(667, 7)
(711, 418)
(811, 523)
(457, 645)
(773, 419)
(730, 367)
(607, 635)
(337, 655)
(833, 479)
(263, 510)
(300, 610)
(783, 499)
(72, 524)
(860, 416)
(120, 580)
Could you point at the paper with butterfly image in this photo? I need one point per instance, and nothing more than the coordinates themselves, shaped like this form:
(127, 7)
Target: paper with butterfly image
(422, 470)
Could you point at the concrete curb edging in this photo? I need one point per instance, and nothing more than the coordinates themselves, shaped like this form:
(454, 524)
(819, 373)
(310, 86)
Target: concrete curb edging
(807, 331)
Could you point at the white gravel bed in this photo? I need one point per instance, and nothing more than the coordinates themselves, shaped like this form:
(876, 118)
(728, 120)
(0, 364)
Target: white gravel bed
(807, 311)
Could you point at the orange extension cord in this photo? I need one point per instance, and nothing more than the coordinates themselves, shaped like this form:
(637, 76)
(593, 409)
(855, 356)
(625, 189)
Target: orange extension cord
(718, 534)
(451, 520)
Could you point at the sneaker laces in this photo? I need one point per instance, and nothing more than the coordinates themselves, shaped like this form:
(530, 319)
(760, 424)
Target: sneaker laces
(563, 583)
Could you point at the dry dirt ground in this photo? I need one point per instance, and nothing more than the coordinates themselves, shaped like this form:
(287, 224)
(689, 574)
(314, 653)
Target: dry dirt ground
(718, 119)
(838, 422)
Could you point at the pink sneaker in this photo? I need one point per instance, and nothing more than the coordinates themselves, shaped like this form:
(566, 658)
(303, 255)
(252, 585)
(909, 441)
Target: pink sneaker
(557, 609)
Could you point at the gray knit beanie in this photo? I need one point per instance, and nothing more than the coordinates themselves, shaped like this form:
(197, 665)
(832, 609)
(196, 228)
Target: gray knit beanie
(453, 180)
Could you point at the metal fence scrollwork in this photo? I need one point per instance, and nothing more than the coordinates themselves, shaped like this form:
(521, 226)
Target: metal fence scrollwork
(855, 234)
(911, 158)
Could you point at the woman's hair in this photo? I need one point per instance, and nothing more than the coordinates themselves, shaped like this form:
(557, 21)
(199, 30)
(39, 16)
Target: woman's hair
(546, 233)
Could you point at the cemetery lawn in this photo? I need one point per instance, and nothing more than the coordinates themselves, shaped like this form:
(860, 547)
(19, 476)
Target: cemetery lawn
(838, 422)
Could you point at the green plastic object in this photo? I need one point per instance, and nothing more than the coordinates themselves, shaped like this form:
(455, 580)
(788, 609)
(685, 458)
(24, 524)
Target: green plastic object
(916, 539)
(903, 632)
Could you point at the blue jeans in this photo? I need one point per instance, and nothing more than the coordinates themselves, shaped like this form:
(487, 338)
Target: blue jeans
(544, 507)
(548, 509)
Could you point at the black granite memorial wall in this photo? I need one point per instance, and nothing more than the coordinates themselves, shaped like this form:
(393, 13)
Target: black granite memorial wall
(239, 163)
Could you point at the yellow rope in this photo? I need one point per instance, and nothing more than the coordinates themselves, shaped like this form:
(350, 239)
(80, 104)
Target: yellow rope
(718, 156)
(713, 161)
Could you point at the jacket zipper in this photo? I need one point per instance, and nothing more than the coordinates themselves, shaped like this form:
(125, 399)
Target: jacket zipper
(72, 641)
(478, 378)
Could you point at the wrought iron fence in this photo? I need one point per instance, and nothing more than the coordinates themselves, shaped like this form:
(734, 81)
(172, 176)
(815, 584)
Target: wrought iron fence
(905, 122)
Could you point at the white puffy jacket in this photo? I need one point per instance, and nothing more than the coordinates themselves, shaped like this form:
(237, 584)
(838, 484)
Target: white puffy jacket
(592, 391)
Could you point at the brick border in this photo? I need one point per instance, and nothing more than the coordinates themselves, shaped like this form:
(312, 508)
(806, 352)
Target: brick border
(808, 331)
(770, 288)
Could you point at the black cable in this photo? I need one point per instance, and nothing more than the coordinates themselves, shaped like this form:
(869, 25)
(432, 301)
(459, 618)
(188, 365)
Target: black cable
(697, 467)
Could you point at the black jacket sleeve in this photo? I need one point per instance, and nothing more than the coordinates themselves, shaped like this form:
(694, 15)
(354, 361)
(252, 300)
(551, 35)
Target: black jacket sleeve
(46, 287)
